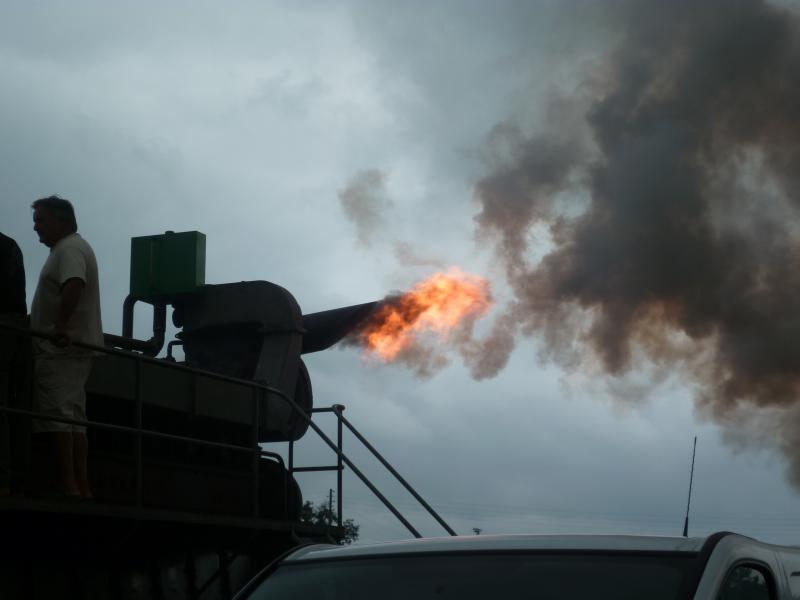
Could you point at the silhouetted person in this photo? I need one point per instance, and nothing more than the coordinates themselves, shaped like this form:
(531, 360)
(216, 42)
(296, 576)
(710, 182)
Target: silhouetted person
(13, 311)
(67, 306)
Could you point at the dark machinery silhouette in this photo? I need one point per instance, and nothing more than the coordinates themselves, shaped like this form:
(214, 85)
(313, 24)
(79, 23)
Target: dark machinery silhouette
(165, 506)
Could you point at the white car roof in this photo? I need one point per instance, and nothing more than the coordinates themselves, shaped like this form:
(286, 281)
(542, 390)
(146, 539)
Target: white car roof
(612, 543)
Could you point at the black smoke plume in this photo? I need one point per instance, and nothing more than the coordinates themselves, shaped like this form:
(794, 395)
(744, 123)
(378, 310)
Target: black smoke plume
(670, 203)
(364, 201)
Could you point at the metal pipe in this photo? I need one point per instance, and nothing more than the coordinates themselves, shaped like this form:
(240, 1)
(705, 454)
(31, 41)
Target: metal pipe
(139, 466)
(127, 316)
(324, 329)
(118, 341)
(275, 455)
(316, 469)
(338, 409)
(290, 471)
(150, 347)
(170, 346)
(159, 328)
(256, 455)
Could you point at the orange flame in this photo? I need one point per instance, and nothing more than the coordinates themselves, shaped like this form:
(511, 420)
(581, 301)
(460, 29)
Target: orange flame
(438, 304)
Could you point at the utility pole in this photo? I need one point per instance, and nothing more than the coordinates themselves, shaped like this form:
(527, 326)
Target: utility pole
(330, 507)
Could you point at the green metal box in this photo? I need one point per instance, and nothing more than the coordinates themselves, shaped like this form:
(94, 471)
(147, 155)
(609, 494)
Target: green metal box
(168, 264)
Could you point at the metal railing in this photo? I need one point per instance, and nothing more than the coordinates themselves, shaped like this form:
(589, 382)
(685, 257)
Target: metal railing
(341, 420)
(259, 393)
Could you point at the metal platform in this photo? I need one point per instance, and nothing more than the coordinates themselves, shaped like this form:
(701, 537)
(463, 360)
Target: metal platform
(67, 549)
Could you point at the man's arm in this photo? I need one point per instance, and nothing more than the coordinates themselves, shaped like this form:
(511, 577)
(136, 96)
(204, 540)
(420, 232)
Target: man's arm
(70, 296)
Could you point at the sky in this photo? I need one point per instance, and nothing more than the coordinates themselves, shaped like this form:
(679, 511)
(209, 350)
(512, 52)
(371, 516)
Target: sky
(346, 150)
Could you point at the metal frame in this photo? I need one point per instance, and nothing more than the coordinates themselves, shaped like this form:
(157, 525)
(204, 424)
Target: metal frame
(341, 420)
(259, 391)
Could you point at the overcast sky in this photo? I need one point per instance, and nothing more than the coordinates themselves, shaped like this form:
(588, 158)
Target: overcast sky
(251, 122)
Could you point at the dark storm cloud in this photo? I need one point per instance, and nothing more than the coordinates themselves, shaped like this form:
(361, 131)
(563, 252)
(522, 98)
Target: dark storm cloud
(691, 180)
(449, 72)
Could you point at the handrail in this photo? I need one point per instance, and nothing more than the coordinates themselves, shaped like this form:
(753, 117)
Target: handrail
(393, 471)
(355, 469)
(341, 456)
(337, 409)
(133, 430)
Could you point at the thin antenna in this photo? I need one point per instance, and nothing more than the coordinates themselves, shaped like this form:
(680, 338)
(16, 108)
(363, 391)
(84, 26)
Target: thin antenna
(689, 501)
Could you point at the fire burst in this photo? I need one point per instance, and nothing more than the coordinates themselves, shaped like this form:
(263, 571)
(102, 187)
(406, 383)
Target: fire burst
(438, 304)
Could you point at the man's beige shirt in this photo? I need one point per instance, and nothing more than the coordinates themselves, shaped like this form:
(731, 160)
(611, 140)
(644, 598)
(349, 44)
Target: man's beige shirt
(71, 257)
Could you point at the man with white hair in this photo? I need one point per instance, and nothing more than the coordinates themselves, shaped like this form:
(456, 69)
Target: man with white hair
(66, 305)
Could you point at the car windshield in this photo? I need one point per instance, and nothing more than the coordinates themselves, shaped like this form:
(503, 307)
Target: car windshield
(470, 576)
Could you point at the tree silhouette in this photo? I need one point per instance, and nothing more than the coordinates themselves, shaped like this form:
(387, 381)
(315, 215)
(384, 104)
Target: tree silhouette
(323, 514)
